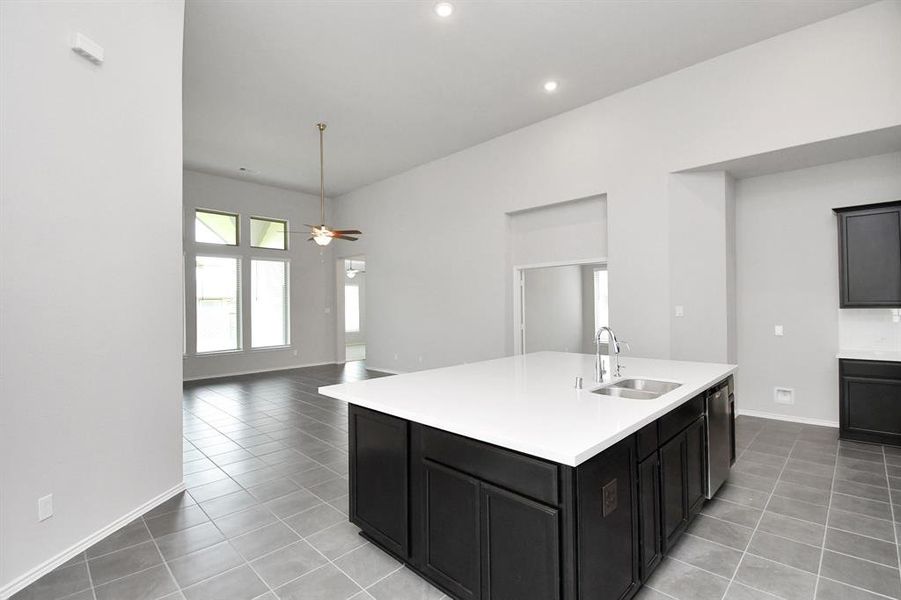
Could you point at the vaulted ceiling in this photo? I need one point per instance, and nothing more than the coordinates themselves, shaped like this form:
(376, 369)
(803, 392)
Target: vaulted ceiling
(400, 86)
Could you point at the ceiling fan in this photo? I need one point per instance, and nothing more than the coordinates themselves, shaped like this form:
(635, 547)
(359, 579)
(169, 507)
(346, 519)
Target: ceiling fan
(323, 234)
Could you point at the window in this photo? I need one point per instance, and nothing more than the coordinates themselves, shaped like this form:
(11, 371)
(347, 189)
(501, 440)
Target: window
(268, 233)
(215, 228)
(351, 308)
(269, 303)
(218, 303)
(601, 308)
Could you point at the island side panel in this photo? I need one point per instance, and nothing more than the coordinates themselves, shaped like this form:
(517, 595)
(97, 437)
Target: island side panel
(379, 477)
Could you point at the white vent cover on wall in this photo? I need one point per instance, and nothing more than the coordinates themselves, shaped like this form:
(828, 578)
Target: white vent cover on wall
(783, 395)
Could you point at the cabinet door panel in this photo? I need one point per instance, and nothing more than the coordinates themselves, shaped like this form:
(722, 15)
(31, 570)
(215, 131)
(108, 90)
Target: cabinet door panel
(451, 545)
(695, 464)
(871, 409)
(649, 514)
(871, 257)
(378, 477)
(520, 547)
(673, 499)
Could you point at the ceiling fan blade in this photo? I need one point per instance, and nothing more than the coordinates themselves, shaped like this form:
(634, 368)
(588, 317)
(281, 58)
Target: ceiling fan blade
(350, 231)
(345, 237)
(312, 226)
(309, 239)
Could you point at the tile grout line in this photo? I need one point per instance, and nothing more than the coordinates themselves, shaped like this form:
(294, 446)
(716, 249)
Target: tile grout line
(892, 508)
(163, 558)
(87, 567)
(762, 513)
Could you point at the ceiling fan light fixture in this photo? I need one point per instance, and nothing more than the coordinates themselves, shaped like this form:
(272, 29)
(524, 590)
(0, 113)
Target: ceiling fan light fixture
(322, 236)
(444, 9)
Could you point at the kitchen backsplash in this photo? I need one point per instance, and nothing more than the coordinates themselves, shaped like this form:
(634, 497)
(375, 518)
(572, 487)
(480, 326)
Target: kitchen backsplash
(869, 329)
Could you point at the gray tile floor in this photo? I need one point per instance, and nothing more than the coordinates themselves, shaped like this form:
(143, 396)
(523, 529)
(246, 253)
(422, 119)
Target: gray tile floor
(264, 518)
(802, 516)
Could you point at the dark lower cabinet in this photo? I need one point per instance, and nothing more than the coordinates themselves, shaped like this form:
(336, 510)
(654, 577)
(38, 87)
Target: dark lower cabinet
(695, 465)
(451, 540)
(651, 550)
(379, 478)
(520, 547)
(870, 401)
(673, 499)
(683, 472)
(607, 514)
(487, 523)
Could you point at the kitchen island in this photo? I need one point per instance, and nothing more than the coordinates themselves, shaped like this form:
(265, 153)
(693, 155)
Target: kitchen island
(502, 480)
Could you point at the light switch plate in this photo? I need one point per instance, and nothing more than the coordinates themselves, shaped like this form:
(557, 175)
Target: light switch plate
(45, 507)
(679, 311)
(778, 330)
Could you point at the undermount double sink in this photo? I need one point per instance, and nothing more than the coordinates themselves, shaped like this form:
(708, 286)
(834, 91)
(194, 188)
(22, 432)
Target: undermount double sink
(637, 389)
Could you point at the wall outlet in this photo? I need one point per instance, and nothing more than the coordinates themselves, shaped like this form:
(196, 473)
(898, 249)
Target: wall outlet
(609, 495)
(295, 353)
(778, 330)
(45, 507)
(783, 395)
(328, 310)
(395, 356)
(679, 310)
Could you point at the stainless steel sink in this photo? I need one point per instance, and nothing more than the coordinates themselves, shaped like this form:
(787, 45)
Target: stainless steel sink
(637, 389)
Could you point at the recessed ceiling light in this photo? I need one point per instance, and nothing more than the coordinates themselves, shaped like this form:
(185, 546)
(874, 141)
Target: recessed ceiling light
(550, 86)
(444, 9)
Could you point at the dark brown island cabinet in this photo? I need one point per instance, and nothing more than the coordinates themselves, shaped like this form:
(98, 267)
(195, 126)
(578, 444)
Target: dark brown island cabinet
(869, 244)
(483, 522)
(870, 401)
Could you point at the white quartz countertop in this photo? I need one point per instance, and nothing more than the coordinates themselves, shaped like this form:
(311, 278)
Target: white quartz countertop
(863, 354)
(529, 403)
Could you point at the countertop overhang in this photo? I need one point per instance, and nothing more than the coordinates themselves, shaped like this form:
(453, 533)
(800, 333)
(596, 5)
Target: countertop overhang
(529, 403)
(865, 354)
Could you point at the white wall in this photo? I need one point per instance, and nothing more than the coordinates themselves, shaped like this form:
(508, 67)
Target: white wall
(90, 257)
(787, 264)
(312, 279)
(553, 309)
(437, 243)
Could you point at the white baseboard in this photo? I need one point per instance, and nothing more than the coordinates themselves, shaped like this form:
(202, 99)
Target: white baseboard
(251, 372)
(26, 579)
(391, 371)
(767, 415)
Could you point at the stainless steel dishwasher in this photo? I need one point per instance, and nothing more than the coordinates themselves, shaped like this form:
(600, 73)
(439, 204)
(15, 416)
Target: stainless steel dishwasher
(719, 436)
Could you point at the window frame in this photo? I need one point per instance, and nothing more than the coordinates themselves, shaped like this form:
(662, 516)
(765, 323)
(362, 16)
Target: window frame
(239, 271)
(287, 307)
(211, 211)
(252, 218)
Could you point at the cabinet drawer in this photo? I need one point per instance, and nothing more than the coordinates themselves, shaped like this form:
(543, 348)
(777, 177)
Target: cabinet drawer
(678, 419)
(523, 474)
(870, 368)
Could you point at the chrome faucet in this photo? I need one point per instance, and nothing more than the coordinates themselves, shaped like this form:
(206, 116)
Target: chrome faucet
(613, 347)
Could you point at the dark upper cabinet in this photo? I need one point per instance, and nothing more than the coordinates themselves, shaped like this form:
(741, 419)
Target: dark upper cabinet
(870, 401)
(378, 469)
(869, 239)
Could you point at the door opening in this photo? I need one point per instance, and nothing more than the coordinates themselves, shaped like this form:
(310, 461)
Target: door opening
(354, 318)
(559, 307)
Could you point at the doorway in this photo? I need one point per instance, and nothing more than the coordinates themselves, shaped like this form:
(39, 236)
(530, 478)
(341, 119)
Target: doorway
(354, 318)
(559, 307)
